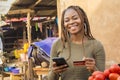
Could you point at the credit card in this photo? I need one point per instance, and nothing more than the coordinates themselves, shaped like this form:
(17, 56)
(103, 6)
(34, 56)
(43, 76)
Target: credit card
(79, 63)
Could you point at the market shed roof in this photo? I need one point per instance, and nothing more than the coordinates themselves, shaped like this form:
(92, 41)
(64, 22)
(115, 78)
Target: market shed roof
(41, 8)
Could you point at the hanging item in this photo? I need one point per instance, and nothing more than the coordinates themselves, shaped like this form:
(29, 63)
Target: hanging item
(40, 26)
(56, 20)
(36, 27)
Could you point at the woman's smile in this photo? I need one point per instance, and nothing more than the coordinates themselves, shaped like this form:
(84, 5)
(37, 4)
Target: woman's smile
(73, 27)
(72, 21)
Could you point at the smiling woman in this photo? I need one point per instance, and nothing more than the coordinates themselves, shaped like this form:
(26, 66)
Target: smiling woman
(82, 52)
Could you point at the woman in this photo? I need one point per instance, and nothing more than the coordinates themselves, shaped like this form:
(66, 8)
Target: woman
(76, 44)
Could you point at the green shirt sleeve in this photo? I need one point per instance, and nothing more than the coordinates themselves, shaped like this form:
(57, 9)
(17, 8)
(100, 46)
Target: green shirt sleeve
(54, 53)
(99, 55)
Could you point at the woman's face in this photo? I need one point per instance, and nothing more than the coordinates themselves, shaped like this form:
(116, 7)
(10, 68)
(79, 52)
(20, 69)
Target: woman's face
(72, 21)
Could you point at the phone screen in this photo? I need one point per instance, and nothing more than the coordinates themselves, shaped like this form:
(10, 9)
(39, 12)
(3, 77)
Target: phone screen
(60, 61)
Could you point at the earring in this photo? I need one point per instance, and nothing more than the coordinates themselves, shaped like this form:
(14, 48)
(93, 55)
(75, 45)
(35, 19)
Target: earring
(85, 28)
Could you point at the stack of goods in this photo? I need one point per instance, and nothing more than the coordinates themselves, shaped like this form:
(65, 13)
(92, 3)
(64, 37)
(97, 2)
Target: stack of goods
(112, 73)
(12, 69)
(15, 71)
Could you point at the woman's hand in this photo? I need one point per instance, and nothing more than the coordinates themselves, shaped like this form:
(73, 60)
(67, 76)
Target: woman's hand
(58, 69)
(90, 64)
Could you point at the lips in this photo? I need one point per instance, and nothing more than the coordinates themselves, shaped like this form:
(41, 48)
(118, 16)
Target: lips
(72, 27)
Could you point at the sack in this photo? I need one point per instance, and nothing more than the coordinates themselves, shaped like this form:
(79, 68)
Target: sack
(39, 55)
(40, 51)
(1, 62)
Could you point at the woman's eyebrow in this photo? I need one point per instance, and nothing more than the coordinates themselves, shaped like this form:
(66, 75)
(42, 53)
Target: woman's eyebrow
(72, 16)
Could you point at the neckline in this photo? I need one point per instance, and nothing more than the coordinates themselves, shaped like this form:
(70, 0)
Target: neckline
(84, 42)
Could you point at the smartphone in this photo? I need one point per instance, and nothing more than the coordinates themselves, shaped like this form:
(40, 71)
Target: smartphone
(60, 61)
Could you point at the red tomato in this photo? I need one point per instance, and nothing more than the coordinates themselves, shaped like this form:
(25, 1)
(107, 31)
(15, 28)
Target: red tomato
(119, 65)
(119, 72)
(113, 76)
(114, 68)
(118, 78)
(99, 77)
(90, 78)
(96, 72)
(106, 72)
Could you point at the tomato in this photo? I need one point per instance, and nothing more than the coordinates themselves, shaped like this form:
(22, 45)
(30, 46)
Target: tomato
(114, 68)
(106, 73)
(119, 65)
(119, 72)
(113, 76)
(90, 78)
(100, 77)
(96, 72)
(118, 78)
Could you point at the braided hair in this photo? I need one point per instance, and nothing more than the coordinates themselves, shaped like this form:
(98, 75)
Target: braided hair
(65, 35)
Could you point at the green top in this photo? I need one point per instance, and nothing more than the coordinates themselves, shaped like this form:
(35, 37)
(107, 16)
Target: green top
(93, 49)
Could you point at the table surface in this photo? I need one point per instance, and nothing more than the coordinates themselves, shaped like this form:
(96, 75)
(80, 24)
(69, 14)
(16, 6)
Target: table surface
(13, 73)
(41, 71)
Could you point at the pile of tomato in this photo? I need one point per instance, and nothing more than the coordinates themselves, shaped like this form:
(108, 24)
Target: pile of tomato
(112, 73)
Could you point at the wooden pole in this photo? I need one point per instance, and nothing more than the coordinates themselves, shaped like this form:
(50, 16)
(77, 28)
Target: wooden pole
(30, 74)
(28, 28)
(60, 7)
(24, 35)
(59, 16)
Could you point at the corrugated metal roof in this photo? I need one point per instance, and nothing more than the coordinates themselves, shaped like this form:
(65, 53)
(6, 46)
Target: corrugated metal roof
(37, 7)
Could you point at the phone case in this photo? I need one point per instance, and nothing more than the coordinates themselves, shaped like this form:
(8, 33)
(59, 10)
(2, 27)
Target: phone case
(60, 61)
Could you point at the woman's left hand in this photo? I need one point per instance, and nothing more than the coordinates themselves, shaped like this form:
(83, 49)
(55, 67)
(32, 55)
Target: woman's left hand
(90, 64)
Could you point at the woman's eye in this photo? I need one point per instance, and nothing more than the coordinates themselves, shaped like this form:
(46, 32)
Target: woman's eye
(66, 20)
(75, 18)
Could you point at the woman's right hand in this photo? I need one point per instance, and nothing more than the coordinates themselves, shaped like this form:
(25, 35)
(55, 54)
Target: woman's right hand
(58, 69)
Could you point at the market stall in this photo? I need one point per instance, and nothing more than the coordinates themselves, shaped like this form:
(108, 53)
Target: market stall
(32, 8)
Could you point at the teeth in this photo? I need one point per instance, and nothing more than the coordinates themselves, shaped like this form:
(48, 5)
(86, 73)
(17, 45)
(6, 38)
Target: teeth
(72, 27)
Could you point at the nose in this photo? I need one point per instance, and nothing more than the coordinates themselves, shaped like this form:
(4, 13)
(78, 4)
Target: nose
(71, 21)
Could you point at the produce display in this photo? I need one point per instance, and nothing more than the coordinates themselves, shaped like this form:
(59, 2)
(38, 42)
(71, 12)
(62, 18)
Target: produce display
(112, 73)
